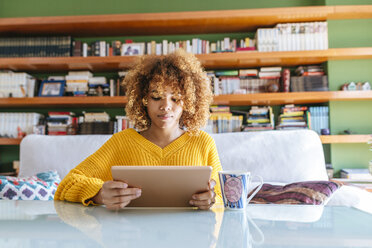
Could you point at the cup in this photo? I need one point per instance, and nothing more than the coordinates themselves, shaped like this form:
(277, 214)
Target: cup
(235, 187)
(239, 230)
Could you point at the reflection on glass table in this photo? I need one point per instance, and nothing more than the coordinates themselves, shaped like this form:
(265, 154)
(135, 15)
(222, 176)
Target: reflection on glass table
(63, 224)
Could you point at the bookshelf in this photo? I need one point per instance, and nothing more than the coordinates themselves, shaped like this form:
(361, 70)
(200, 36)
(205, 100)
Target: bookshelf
(187, 22)
(209, 61)
(232, 100)
(191, 22)
(342, 139)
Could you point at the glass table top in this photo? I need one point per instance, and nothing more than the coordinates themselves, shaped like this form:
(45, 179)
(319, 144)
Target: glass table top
(63, 224)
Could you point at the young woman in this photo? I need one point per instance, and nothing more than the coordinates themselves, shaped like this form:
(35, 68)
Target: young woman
(168, 100)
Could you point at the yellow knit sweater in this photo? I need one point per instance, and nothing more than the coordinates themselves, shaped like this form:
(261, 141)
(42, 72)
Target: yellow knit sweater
(130, 148)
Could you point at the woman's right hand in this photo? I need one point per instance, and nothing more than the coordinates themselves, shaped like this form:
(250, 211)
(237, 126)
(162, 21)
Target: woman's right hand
(116, 195)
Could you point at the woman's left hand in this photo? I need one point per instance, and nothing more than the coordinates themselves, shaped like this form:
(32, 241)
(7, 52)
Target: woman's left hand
(205, 200)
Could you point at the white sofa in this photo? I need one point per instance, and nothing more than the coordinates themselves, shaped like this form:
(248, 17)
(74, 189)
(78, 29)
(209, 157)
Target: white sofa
(280, 157)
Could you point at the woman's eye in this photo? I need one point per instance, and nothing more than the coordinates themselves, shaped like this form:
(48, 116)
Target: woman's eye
(155, 98)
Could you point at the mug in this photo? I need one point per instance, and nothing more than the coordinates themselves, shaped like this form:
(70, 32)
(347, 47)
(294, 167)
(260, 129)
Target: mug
(236, 231)
(235, 188)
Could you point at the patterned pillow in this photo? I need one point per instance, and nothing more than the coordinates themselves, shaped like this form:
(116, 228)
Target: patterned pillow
(39, 187)
(309, 193)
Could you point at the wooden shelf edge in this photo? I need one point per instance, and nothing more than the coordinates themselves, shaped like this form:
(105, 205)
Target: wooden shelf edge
(340, 139)
(72, 101)
(187, 22)
(209, 61)
(281, 98)
(10, 141)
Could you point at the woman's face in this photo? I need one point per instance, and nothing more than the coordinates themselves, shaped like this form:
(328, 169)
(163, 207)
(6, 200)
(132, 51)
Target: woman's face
(164, 107)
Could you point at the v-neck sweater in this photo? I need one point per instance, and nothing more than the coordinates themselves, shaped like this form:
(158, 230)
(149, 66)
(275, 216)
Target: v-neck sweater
(130, 148)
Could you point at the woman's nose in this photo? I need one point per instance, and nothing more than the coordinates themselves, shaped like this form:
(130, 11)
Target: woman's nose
(166, 104)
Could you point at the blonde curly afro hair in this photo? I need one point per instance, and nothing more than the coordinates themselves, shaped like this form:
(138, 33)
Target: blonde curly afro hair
(183, 73)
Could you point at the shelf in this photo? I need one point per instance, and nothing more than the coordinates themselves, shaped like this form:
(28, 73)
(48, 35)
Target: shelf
(10, 141)
(292, 98)
(65, 102)
(231, 100)
(339, 139)
(191, 22)
(209, 61)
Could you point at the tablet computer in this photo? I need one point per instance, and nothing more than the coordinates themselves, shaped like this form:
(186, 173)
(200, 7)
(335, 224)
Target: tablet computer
(164, 186)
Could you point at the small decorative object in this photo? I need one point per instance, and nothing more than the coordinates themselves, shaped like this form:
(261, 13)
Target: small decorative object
(356, 86)
(366, 86)
(52, 88)
(325, 131)
(128, 49)
(272, 86)
(347, 132)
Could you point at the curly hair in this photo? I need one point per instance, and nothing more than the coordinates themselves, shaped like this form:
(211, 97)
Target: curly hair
(183, 73)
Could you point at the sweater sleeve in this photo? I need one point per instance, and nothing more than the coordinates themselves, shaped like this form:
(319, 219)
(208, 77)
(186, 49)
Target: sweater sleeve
(214, 161)
(85, 180)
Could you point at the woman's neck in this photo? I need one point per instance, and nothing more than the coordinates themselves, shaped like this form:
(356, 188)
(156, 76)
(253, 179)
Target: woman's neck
(162, 137)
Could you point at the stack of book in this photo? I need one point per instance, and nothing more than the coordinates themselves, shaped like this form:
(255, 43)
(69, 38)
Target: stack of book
(58, 122)
(96, 123)
(259, 119)
(98, 86)
(309, 78)
(77, 83)
(293, 117)
(356, 174)
(222, 121)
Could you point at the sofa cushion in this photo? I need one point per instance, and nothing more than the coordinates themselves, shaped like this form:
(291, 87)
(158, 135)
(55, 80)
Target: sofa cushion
(285, 156)
(39, 187)
(309, 193)
(62, 153)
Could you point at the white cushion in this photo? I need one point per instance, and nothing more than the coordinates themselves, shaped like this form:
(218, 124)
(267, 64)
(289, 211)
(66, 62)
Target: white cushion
(39, 153)
(277, 156)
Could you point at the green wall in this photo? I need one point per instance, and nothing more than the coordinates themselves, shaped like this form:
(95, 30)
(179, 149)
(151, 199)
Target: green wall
(18, 8)
(355, 116)
(342, 33)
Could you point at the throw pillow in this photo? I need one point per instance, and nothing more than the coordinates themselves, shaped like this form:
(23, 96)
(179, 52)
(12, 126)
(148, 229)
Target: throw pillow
(39, 187)
(309, 192)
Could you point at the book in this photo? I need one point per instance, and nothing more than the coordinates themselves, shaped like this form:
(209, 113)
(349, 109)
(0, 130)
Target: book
(356, 174)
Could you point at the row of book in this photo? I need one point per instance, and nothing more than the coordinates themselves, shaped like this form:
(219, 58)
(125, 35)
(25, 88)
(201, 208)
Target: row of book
(15, 125)
(16, 84)
(52, 46)
(222, 120)
(261, 118)
(76, 83)
(319, 118)
(293, 37)
(66, 123)
(283, 37)
(268, 79)
(129, 48)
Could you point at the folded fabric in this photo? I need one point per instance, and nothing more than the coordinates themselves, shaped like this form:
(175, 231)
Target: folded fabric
(39, 187)
(309, 192)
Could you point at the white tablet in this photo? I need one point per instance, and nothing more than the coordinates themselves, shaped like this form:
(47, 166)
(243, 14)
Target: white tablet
(164, 186)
